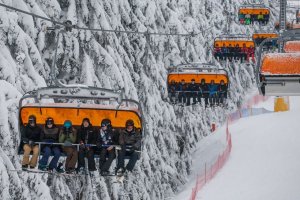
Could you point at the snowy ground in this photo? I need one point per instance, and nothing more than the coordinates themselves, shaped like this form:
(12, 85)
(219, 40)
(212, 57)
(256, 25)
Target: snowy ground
(264, 162)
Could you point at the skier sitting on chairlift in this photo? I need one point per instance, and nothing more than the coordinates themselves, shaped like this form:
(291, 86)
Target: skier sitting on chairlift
(107, 137)
(173, 90)
(86, 136)
(213, 91)
(130, 141)
(68, 135)
(50, 135)
(194, 89)
(31, 134)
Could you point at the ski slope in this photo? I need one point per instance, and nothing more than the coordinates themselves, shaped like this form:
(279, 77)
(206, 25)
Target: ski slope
(264, 162)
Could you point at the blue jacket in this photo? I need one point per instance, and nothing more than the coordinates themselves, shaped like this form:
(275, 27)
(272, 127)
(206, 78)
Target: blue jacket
(213, 89)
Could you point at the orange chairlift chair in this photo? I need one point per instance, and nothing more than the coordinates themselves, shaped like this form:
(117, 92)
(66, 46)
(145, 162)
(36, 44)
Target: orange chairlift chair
(278, 74)
(254, 10)
(76, 103)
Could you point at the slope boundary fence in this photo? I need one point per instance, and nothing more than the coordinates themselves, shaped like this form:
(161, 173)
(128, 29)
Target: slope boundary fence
(211, 169)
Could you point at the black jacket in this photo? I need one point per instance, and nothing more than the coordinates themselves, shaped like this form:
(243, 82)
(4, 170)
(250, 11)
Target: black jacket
(133, 138)
(31, 133)
(193, 87)
(204, 88)
(50, 134)
(108, 137)
(172, 87)
(87, 135)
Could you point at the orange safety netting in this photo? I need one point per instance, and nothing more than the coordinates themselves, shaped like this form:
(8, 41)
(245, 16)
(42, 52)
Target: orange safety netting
(254, 11)
(233, 43)
(264, 35)
(77, 114)
(292, 46)
(198, 77)
(281, 64)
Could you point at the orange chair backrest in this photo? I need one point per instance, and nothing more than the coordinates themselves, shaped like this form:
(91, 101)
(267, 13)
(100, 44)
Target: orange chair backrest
(254, 11)
(292, 46)
(76, 115)
(264, 35)
(281, 64)
(233, 43)
(198, 77)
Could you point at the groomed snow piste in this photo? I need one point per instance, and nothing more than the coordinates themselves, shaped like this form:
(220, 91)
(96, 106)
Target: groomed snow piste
(264, 162)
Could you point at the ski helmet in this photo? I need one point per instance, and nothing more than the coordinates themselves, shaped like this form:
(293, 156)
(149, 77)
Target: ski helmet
(129, 123)
(67, 124)
(105, 122)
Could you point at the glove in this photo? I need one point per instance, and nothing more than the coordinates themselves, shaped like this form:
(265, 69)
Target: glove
(67, 143)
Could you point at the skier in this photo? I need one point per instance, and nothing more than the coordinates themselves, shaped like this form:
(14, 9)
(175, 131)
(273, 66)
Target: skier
(247, 19)
(68, 136)
(217, 52)
(237, 52)
(222, 90)
(50, 135)
(194, 89)
(224, 52)
(86, 135)
(244, 52)
(204, 91)
(107, 137)
(182, 87)
(213, 90)
(251, 53)
(260, 18)
(173, 90)
(31, 134)
(130, 141)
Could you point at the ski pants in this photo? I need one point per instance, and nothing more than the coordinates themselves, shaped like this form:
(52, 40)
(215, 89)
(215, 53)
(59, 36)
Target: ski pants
(27, 149)
(47, 153)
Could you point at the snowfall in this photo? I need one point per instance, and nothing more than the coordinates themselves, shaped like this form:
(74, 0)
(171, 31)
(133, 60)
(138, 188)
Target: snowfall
(264, 161)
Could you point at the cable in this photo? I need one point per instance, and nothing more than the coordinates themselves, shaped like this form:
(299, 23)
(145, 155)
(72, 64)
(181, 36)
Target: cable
(69, 25)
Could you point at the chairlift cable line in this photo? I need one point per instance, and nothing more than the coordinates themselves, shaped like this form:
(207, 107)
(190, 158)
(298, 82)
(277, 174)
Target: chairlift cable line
(95, 29)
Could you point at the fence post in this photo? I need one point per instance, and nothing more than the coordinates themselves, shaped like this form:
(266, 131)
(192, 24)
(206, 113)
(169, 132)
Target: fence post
(205, 174)
(219, 162)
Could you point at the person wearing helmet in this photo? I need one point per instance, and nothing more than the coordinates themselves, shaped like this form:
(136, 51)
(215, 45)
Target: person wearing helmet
(85, 137)
(68, 135)
(50, 135)
(173, 91)
(107, 137)
(222, 91)
(182, 88)
(129, 140)
(31, 134)
(193, 89)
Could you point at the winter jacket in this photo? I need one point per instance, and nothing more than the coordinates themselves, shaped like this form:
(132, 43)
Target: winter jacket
(224, 50)
(236, 50)
(32, 133)
(130, 138)
(213, 88)
(108, 137)
(193, 88)
(68, 135)
(87, 135)
(260, 16)
(204, 88)
(182, 87)
(172, 87)
(50, 134)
